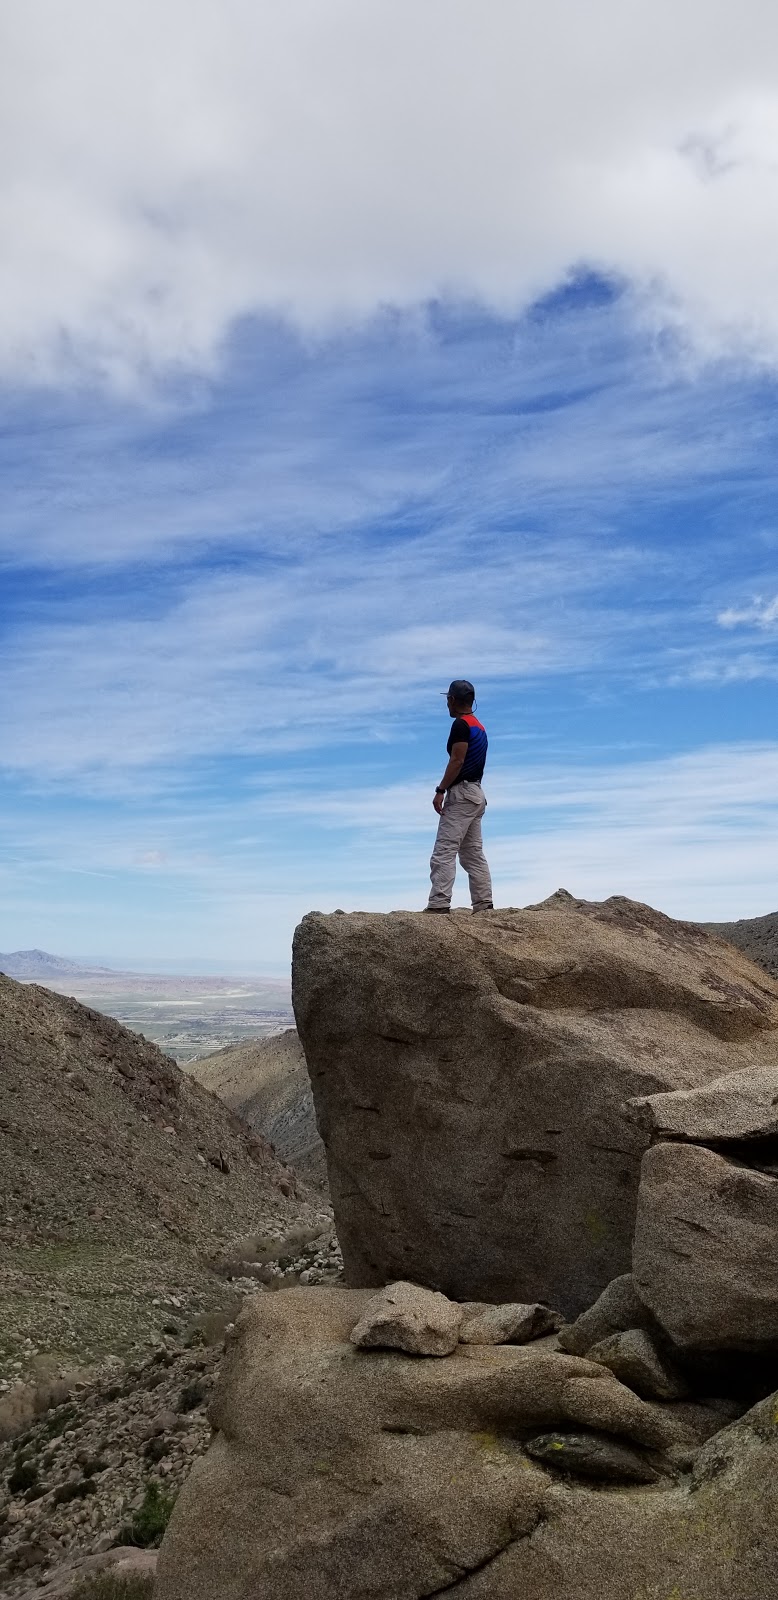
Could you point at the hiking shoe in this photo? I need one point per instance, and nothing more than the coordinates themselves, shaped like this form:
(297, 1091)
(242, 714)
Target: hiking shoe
(439, 911)
(478, 909)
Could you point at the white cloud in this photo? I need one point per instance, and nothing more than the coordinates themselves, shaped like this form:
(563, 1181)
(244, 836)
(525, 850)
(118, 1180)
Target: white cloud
(170, 166)
(759, 614)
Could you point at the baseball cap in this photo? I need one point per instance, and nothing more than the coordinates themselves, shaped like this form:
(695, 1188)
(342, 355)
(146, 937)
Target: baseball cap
(460, 689)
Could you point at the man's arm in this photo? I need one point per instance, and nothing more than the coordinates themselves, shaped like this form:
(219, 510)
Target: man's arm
(458, 753)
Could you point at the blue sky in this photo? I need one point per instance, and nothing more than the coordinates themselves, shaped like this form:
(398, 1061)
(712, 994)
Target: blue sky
(242, 549)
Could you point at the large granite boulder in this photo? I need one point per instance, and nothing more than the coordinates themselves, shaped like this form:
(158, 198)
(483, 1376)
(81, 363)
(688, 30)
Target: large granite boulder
(471, 1078)
(381, 1476)
(705, 1255)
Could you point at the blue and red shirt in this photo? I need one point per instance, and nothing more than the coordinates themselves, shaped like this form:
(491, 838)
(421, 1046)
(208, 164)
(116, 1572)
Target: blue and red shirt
(468, 730)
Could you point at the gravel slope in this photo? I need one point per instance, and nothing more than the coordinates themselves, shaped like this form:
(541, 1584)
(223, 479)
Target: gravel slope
(120, 1179)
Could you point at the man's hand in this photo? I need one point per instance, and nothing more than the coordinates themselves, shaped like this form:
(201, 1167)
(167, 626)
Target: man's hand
(437, 801)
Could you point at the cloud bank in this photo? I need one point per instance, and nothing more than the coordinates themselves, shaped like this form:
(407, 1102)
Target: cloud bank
(170, 167)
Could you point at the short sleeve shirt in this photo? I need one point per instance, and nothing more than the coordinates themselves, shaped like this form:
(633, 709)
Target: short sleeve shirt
(468, 730)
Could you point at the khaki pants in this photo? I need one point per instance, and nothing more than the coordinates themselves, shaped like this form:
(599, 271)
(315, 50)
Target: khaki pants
(459, 834)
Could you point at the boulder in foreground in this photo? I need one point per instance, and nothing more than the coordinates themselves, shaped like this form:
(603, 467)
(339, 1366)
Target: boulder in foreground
(337, 1471)
(472, 1076)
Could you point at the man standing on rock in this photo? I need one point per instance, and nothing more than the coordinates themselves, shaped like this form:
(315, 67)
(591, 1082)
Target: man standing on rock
(460, 803)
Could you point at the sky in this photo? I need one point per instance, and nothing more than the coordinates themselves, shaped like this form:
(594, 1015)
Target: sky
(346, 349)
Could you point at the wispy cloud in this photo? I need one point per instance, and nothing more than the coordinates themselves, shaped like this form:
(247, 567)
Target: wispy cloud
(402, 506)
(760, 613)
(437, 420)
(249, 663)
(695, 834)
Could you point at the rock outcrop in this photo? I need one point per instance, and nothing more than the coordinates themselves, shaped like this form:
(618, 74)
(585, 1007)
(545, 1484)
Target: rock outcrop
(472, 1080)
(705, 1252)
(339, 1471)
(704, 1255)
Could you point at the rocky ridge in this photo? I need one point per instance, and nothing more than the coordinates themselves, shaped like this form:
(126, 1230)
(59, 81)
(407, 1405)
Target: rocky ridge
(433, 1443)
(757, 937)
(266, 1083)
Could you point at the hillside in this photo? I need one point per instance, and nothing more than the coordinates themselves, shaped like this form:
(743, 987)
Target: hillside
(39, 964)
(757, 937)
(121, 1178)
(266, 1082)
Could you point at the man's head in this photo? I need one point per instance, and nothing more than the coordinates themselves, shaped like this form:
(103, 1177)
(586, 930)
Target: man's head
(459, 697)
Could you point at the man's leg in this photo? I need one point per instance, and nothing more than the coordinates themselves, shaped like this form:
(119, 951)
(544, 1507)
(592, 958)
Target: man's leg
(471, 855)
(454, 821)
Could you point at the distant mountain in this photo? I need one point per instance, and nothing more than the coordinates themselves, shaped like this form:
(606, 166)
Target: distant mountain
(29, 964)
(757, 937)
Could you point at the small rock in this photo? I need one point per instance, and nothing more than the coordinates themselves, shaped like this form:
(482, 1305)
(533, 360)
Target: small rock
(404, 1317)
(506, 1324)
(635, 1360)
(591, 1455)
(161, 1423)
(618, 1307)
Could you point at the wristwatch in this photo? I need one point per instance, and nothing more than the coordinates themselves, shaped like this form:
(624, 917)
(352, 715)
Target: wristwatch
(440, 791)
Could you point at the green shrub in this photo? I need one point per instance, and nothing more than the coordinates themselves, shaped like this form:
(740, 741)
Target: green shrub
(151, 1519)
(156, 1449)
(74, 1491)
(108, 1586)
(192, 1395)
(24, 1476)
(60, 1421)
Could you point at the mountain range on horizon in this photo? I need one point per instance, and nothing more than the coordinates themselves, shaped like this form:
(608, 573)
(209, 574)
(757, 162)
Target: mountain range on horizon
(41, 964)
